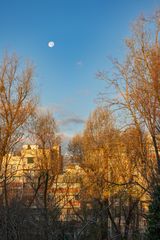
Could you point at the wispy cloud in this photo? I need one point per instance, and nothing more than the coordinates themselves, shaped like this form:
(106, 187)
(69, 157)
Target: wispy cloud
(72, 120)
(79, 63)
(68, 122)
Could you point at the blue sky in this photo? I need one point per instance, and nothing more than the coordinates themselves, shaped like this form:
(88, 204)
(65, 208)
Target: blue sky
(85, 33)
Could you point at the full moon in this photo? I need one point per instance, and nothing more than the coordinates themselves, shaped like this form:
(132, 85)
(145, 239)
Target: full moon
(51, 44)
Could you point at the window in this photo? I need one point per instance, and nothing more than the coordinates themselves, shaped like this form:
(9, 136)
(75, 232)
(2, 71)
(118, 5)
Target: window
(30, 160)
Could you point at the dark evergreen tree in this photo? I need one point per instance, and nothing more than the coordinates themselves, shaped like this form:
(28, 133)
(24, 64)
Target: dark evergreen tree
(153, 218)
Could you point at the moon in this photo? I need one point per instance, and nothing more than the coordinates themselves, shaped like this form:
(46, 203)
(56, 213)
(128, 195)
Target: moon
(51, 44)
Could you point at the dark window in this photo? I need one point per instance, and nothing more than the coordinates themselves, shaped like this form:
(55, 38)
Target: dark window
(30, 160)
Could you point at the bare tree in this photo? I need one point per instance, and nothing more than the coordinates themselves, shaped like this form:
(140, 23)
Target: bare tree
(113, 185)
(44, 131)
(17, 102)
(136, 81)
(75, 148)
(135, 87)
(99, 146)
(47, 166)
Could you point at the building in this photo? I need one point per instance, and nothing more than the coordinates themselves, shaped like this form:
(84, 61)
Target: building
(33, 172)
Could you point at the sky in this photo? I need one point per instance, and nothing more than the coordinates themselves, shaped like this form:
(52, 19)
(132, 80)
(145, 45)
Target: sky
(86, 34)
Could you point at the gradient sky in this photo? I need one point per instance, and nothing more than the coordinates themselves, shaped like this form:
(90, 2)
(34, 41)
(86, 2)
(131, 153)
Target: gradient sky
(85, 32)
